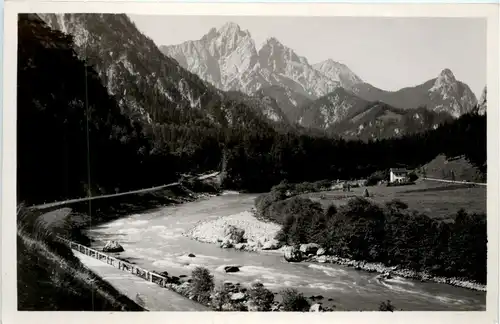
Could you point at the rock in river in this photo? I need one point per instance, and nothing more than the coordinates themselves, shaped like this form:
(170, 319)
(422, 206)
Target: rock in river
(316, 308)
(232, 268)
(112, 246)
(271, 245)
(310, 248)
(292, 254)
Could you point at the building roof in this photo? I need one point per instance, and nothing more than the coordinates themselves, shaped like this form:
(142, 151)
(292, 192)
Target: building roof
(398, 170)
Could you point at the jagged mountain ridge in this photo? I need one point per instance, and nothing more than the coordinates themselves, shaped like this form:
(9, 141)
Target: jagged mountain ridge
(228, 59)
(344, 114)
(442, 94)
(151, 87)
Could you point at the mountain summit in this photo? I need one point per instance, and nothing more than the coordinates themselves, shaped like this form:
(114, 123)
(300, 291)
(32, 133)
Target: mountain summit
(227, 58)
(338, 72)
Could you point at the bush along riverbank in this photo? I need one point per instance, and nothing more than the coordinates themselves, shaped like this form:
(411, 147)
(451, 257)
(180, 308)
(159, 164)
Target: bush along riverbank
(390, 235)
(229, 296)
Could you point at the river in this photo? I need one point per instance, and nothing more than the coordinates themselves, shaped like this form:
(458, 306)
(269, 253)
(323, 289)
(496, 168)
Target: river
(155, 241)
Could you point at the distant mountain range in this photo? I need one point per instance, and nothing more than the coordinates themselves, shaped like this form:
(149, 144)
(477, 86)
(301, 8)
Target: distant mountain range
(313, 95)
(222, 80)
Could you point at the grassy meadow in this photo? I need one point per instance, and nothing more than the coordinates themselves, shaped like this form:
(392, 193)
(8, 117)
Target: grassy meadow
(436, 199)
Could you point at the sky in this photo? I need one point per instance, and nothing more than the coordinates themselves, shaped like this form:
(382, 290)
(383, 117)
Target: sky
(390, 53)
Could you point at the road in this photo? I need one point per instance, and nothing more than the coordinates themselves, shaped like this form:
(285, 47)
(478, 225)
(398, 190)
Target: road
(147, 294)
(65, 202)
(451, 181)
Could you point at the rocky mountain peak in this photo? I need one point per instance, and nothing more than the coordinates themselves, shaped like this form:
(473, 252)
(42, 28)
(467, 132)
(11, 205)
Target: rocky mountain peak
(275, 55)
(446, 76)
(230, 27)
(482, 104)
(450, 95)
(338, 72)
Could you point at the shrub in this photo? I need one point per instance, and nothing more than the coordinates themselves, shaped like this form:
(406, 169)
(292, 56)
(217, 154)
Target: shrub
(261, 297)
(376, 177)
(202, 284)
(234, 233)
(293, 301)
(386, 307)
(412, 177)
(220, 297)
(302, 220)
(396, 204)
(331, 211)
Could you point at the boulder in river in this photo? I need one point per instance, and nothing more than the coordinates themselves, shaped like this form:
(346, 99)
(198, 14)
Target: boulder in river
(232, 268)
(316, 308)
(292, 254)
(240, 246)
(320, 252)
(226, 243)
(322, 259)
(112, 246)
(309, 248)
(238, 296)
(272, 244)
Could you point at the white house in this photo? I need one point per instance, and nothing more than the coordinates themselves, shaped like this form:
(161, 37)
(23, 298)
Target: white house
(398, 175)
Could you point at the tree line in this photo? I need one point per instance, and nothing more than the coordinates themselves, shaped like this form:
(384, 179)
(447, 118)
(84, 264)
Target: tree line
(391, 233)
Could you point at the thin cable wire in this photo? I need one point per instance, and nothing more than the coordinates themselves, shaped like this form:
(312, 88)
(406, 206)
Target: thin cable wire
(89, 192)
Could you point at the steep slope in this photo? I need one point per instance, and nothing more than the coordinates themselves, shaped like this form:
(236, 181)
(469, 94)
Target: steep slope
(442, 94)
(294, 71)
(380, 121)
(51, 278)
(267, 105)
(72, 139)
(226, 58)
(150, 86)
(456, 169)
(332, 108)
(288, 101)
(338, 72)
(482, 104)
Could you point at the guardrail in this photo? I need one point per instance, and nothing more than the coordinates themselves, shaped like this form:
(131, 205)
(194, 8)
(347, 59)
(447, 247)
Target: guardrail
(121, 265)
(452, 181)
